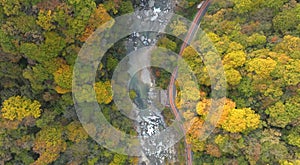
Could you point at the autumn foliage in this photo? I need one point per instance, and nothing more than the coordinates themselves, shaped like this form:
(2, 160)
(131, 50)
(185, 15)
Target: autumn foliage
(18, 108)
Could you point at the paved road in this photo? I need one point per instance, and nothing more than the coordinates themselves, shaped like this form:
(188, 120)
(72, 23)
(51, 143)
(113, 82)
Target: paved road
(172, 89)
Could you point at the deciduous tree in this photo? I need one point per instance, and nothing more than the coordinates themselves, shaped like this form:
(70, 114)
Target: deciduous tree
(178, 27)
(63, 79)
(103, 92)
(241, 120)
(18, 107)
(45, 20)
(76, 133)
(49, 143)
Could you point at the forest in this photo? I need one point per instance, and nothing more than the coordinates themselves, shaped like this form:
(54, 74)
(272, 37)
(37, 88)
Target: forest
(258, 42)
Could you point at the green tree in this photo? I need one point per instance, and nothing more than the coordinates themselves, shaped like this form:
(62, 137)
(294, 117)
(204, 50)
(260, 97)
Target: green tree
(110, 5)
(167, 43)
(126, 7)
(283, 113)
(118, 159)
(7, 43)
(11, 7)
(178, 27)
(53, 45)
(293, 137)
(20, 24)
(291, 75)
(287, 20)
(257, 40)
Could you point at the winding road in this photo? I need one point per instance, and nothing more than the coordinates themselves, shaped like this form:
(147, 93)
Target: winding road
(172, 88)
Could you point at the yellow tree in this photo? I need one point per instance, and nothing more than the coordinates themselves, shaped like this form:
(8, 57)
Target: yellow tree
(262, 67)
(18, 107)
(241, 120)
(233, 77)
(234, 59)
(193, 134)
(231, 119)
(45, 20)
(63, 79)
(103, 92)
(204, 106)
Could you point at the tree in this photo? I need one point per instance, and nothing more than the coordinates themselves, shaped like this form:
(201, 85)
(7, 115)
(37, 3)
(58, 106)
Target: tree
(213, 150)
(7, 43)
(204, 106)
(63, 79)
(76, 133)
(287, 20)
(241, 120)
(235, 47)
(193, 134)
(167, 43)
(18, 107)
(293, 137)
(243, 6)
(231, 144)
(247, 6)
(97, 18)
(257, 40)
(126, 7)
(178, 27)
(49, 143)
(262, 67)
(73, 25)
(118, 159)
(290, 45)
(233, 77)
(110, 5)
(11, 7)
(45, 20)
(20, 24)
(190, 92)
(286, 162)
(271, 152)
(221, 43)
(103, 92)
(234, 59)
(283, 113)
(53, 45)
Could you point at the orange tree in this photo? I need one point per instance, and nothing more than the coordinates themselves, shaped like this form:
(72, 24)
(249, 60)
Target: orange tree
(48, 144)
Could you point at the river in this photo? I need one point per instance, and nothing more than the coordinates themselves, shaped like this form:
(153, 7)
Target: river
(150, 122)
